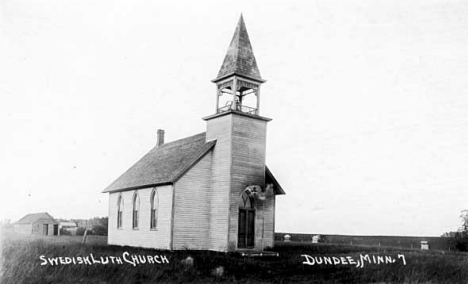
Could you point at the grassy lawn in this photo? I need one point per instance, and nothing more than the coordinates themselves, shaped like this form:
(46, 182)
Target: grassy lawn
(21, 263)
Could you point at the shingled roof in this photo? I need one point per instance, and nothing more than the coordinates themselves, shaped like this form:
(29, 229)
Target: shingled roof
(163, 164)
(33, 217)
(240, 59)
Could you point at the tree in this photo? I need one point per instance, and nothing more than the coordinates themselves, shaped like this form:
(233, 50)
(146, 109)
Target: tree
(100, 227)
(460, 240)
(448, 235)
(100, 230)
(464, 217)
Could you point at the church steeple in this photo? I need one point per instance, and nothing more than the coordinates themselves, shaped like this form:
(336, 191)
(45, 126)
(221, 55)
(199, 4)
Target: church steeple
(238, 81)
(238, 159)
(240, 59)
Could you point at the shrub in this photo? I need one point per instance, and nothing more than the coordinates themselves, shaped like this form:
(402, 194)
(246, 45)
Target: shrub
(64, 232)
(100, 230)
(460, 241)
(81, 230)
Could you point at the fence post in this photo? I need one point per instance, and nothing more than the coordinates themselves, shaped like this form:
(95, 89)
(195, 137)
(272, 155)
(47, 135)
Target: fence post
(85, 235)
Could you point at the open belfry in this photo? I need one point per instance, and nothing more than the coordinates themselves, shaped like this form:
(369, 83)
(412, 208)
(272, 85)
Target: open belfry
(210, 191)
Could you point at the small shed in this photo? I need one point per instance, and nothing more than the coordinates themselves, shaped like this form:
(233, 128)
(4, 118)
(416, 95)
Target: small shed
(37, 224)
(424, 245)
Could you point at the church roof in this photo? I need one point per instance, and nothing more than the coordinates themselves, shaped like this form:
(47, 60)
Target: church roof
(33, 217)
(163, 164)
(270, 178)
(240, 59)
(167, 163)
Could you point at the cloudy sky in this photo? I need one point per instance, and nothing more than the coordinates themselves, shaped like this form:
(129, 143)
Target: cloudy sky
(369, 101)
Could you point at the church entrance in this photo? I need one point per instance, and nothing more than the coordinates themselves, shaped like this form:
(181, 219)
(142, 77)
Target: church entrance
(246, 229)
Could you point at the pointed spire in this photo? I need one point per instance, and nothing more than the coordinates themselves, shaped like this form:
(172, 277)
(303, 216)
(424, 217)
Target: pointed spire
(240, 59)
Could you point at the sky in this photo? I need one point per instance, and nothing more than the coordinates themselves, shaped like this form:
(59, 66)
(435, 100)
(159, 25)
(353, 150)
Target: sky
(369, 101)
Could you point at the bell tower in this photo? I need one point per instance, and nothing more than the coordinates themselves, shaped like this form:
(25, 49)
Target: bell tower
(238, 159)
(238, 81)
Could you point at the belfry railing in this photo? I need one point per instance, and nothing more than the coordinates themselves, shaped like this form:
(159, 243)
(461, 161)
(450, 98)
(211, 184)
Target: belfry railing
(238, 107)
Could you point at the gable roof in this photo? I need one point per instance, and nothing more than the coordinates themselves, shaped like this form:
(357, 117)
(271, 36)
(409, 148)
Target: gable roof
(240, 58)
(33, 217)
(269, 178)
(163, 164)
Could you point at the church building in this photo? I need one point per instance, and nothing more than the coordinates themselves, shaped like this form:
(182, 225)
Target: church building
(209, 191)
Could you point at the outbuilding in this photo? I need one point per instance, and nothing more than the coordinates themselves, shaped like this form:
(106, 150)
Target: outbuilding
(69, 226)
(424, 245)
(37, 224)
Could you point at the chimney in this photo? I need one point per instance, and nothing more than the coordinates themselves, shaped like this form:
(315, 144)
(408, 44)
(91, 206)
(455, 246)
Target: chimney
(160, 140)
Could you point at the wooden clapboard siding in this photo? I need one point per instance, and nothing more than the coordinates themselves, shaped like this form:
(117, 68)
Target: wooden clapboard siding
(143, 236)
(192, 207)
(238, 161)
(38, 228)
(220, 128)
(248, 167)
(272, 212)
(265, 213)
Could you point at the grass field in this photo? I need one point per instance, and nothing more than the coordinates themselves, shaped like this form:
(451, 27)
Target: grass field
(21, 263)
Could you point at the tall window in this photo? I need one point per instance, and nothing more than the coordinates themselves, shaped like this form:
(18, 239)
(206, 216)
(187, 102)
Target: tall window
(154, 209)
(119, 211)
(136, 208)
(246, 223)
(246, 201)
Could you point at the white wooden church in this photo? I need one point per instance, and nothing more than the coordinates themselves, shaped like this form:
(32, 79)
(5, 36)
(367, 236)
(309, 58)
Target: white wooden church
(210, 191)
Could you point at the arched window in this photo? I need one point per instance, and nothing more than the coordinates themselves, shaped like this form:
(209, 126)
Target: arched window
(246, 221)
(246, 201)
(136, 209)
(154, 209)
(120, 205)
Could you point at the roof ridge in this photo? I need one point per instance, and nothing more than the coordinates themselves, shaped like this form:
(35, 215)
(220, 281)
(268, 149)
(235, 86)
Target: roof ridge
(30, 217)
(36, 213)
(161, 165)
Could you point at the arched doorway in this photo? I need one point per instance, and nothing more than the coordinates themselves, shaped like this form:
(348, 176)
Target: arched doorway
(246, 230)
